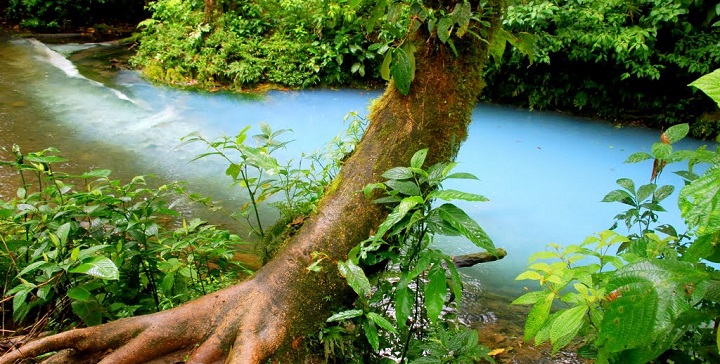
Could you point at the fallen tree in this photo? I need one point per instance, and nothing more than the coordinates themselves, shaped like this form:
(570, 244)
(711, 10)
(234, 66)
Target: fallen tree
(267, 316)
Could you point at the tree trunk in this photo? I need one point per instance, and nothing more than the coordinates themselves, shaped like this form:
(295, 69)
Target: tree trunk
(269, 315)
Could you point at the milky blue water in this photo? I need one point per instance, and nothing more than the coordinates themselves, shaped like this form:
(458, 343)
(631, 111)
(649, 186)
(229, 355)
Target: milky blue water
(544, 173)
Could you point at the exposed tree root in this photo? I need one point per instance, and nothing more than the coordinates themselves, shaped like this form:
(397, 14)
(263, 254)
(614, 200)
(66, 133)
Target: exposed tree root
(236, 323)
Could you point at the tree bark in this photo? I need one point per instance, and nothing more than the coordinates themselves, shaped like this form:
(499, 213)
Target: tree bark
(269, 315)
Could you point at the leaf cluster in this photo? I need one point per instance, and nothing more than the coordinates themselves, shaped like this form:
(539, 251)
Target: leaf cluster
(653, 291)
(407, 303)
(101, 250)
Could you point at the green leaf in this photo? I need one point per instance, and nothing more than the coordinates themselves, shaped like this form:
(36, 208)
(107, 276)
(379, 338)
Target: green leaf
(408, 188)
(661, 150)
(79, 293)
(710, 85)
(444, 26)
(498, 44)
(88, 311)
(397, 214)
(355, 277)
(530, 298)
(645, 191)
(462, 175)
(96, 173)
(638, 157)
(371, 333)
(381, 321)
(566, 326)
(435, 292)
(538, 315)
(345, 315)
(530, 274)
(403, 302)
(619, 196)
(663, 192)
(699, 202)
(401, 70)
(450, 195)
(398, 173)
(418, 159)
(385, 68)
(465, 225)
(100, 267)
(677, 132)
(627, 184)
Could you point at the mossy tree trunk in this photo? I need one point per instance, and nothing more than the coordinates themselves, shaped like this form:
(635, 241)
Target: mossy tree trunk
(269, 315)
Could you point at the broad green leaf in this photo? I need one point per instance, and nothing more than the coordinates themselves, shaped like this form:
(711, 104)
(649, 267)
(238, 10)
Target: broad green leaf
(371, 333)
(450, 195)
(661, 151)
(638, 157)
(566, 326)
(444, 26)
(407, 188)
(32, 267)
(619, 196)
(458, 219)
(538, 315)
(96, 173)
(418, 159)
(398, 173)
(677, 132)
(397, 214)
(627, 184)
(530, 298)
(355, 277)
(531, 274)
(401, 70)
(381, 321)
(663, 192)
(404, 299)
(385, 68)
(710, 85)
(462, 175)
(89, 312)
(498, 44)
(345, 315)
(435, 292)
(645, 191)
(100, 267)
(233, 170)
(79, 293)
(699, 202)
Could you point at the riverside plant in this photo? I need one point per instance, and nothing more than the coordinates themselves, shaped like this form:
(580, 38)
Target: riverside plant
(400, 315)
(84, 249)
(647, 294)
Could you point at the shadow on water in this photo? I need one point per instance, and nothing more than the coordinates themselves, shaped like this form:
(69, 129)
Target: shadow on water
(544, 173)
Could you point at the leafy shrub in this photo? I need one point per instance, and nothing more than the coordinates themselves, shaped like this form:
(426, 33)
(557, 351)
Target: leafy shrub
(101, 250)
(402, 314)
(656, 296)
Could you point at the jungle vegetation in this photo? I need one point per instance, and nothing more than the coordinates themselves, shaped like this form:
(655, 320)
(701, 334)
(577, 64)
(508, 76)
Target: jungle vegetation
(660, 297)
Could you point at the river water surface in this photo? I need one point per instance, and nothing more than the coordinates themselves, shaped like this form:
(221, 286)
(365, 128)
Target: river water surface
(544, 173)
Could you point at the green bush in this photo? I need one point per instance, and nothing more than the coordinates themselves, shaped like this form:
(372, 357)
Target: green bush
(99, 250)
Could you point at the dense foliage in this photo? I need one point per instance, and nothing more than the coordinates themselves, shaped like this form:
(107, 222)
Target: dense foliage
(290, 43)
(57, 15)
(404, 313)
(626, 61)
(649, 292)
(86, 249)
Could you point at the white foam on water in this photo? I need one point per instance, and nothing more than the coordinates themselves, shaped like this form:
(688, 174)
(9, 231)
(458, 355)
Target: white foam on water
(59, 61)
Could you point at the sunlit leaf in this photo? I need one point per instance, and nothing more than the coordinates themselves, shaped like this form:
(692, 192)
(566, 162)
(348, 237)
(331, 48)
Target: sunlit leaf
(100, 267)
(435, 292)
(345, 315)
(355, 277)
(710, 85)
